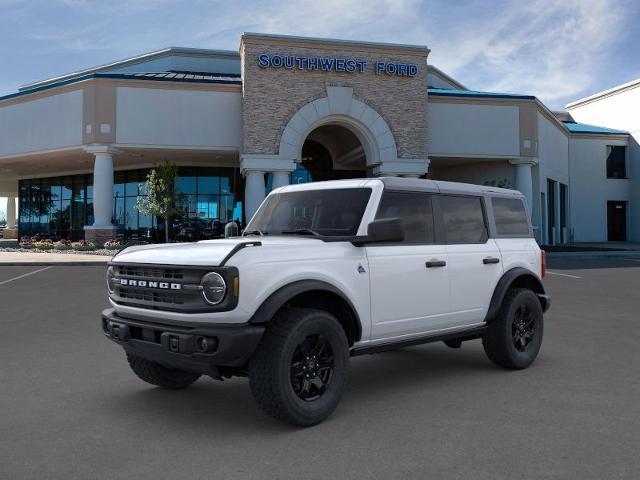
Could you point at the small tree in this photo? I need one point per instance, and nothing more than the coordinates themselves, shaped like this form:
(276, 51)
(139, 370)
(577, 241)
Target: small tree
(160, 193)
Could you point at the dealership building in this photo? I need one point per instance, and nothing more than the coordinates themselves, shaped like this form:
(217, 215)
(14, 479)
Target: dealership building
(75, 150)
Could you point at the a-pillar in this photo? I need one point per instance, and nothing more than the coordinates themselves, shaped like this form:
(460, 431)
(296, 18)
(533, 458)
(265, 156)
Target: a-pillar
(524, 178)
(102, 229)
(254, 167)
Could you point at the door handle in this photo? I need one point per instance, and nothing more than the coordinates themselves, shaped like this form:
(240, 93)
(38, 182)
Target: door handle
(490, 260)
(436, 263)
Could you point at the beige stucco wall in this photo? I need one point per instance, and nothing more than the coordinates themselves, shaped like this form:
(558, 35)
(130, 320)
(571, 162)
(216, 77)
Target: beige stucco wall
(272, 96)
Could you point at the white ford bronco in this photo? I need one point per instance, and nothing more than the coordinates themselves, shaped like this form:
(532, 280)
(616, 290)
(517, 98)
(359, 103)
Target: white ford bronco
(327, 271)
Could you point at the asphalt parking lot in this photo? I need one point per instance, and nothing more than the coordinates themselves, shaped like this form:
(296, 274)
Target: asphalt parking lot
(71, 409)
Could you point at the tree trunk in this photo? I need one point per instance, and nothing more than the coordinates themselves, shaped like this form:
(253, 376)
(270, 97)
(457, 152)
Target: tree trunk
(166, 230)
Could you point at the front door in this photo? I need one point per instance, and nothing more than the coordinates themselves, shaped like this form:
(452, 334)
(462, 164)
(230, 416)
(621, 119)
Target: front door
(617, 221)
(410, 279)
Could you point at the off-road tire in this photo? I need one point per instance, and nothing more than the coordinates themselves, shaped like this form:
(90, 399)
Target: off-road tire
(156, 374)
(272, 366)
(498, 341)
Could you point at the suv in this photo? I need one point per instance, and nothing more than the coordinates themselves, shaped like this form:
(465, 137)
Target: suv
(327, 271)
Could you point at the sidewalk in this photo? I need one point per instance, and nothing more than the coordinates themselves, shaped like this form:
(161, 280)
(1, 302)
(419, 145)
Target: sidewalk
(62, 259)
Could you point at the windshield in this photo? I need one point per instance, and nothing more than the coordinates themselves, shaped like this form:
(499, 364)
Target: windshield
(334, 212)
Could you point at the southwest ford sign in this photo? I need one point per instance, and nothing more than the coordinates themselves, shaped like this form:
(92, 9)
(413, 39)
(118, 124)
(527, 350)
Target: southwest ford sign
(336, 64)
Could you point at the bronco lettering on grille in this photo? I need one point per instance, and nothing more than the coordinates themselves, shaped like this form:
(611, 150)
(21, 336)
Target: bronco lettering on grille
(148, 284)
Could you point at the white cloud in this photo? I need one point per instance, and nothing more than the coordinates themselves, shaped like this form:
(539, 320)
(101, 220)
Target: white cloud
(553, 49)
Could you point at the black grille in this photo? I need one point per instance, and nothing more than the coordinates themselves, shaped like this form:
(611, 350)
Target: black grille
(178, 292)
(150, 272)
(170, 298)
(152, 297)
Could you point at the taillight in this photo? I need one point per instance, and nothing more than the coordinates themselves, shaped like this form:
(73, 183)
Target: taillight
(543, 263)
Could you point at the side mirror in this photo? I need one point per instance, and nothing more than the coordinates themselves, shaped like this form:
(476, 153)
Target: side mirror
(381, 231)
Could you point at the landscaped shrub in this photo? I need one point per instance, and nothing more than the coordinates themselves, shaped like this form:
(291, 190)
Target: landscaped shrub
(62, 245)
(46, 244)
(113, 244)
(83, 245)
(26, 242)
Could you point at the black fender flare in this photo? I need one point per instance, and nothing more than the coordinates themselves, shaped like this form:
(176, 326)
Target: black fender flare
(280, 297)
(521, 276)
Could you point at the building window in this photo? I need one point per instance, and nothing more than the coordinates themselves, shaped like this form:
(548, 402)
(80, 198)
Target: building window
(60, 207)
(616, 161)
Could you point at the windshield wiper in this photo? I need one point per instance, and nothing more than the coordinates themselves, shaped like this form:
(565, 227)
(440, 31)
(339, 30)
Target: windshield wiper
(255, 232)
(301, 231)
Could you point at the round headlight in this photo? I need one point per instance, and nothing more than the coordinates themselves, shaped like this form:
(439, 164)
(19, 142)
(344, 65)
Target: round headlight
(214, 288)
(111, 273)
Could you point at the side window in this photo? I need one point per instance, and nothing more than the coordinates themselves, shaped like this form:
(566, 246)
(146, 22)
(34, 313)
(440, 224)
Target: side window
(616, 167)
(463, 219)
(510, 216)
(414, 209)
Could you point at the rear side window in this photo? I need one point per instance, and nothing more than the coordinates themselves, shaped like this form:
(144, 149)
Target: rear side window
(510, 216)
(463, 219)
(414, 209)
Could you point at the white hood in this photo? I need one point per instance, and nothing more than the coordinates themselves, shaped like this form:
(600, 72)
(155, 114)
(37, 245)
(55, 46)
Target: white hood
(205, 253)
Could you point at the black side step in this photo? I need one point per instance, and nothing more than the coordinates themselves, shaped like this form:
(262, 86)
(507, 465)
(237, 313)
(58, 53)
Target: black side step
(463, 335)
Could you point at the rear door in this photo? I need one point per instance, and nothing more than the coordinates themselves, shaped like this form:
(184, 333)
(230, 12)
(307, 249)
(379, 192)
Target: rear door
(409, 280)
(474, 260)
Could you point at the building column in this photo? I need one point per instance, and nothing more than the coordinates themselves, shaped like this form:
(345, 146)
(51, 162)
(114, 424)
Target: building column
(254, 167)
(11, 231)
(280, 179)
(11, 212)
(254, 192)
(524, 178)
(102, 228)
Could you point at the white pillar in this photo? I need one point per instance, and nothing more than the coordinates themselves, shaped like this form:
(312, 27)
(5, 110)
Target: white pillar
(102, 190)
(524, 179)
(254, 192)
(11, 212)
(102, 228)
(280, 179)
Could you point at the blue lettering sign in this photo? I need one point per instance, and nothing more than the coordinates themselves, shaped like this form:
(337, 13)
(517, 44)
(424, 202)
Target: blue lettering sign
(329, 64)
(326, 63)
(263, 61)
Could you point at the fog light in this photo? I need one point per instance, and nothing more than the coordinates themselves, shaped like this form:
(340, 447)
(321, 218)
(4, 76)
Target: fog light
(206, 344)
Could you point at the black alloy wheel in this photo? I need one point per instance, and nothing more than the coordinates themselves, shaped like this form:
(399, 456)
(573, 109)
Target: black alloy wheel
(312, 367)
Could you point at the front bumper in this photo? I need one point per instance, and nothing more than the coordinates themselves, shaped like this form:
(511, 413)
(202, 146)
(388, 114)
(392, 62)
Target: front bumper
(182, 347)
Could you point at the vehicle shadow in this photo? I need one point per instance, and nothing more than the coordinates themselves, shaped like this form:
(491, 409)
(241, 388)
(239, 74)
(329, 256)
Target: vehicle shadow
(229, 405)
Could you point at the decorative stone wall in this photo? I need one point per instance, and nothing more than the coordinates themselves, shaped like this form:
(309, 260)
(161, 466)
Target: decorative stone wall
(271, 96)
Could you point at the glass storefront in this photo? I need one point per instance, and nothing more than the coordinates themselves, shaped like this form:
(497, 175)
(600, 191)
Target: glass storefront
(59, 207)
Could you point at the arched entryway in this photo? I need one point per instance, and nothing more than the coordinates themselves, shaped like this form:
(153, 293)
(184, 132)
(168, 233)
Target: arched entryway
(330, 152)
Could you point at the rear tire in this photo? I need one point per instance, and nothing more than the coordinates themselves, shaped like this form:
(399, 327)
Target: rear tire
(514, 337)
(159, 375)
(299, 371)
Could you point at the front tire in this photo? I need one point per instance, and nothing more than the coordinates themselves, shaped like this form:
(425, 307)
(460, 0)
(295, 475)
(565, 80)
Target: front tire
(514, 337)
(159, 375)
(300, 368)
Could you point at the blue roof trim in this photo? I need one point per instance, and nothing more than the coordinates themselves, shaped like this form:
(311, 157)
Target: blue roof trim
(445, 92)
(575, 127)
(226, 79)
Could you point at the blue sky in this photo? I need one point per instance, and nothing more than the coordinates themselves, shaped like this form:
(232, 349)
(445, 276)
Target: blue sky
(558, 50)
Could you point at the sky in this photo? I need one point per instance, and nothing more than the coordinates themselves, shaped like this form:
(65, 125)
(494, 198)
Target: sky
(558, 50)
